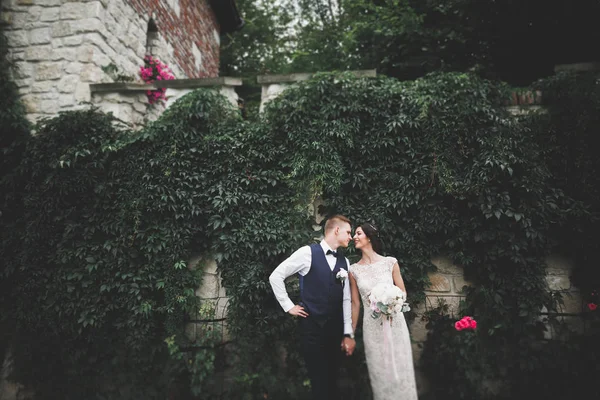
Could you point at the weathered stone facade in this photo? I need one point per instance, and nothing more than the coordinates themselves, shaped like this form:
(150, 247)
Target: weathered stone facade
(60, 46)
(128, 101)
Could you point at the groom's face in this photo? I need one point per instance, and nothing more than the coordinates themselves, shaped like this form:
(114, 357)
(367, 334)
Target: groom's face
(344, 234)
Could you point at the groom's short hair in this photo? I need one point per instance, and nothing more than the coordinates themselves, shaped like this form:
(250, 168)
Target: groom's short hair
(334, 221)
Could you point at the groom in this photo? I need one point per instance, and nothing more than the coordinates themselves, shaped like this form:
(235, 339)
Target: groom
(325, 307)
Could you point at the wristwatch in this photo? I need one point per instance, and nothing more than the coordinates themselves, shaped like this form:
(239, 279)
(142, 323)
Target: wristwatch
(350, 335)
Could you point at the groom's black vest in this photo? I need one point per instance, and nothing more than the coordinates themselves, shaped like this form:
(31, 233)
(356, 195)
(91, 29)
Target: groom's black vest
(320, 291)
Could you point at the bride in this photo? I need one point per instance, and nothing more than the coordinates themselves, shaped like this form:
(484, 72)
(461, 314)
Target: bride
(389, 357)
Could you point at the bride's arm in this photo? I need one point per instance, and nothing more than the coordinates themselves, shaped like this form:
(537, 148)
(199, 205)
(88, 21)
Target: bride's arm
(398, 278)
(355, 301)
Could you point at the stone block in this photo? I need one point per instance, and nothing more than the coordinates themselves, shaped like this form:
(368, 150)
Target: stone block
(417, 352)
(82, 92)
(48, 71)
(438, 283)
(17, 38)
(68, 84)
(231, 95)
(85, 53)
(209, 289)
(74, 68)
(50, 14)
(459, 283)
(573, 303)
(49, 106)
(66, 100)
(38, 53)
(194, 261)
(23, 84)
(67, 54)
(88, 25)
(72, 40)
(222, 307)
(446, 266)
(62, 28)
(453, 302)
(49, 3)
(34, 13)
(44, 86)
(74, 10)
(39, 36)
(139, 107)
(558, 262)
(23, 70)
(91, 73)
(190, 331)
(31, 103)
(111, 108)
(7, 18)
(97, 40)
(100, 58)
(210, 266)
(418, 331)
(20, 20)
(16, 55)
(558, 282)
(222, 288)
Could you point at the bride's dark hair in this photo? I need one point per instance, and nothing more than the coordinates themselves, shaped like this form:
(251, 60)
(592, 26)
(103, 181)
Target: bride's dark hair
(373, 234)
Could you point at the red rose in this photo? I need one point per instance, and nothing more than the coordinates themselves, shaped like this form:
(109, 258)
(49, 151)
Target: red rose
(465, 323)
(592, 306)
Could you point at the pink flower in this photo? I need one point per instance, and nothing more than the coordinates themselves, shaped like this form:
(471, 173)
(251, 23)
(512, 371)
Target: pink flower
(592, 306)
(465, 323)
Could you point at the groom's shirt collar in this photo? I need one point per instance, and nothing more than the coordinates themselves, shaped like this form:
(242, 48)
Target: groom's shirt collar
(325, 246)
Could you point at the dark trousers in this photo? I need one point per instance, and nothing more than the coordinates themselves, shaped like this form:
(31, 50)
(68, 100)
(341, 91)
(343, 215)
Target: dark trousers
(321, 340)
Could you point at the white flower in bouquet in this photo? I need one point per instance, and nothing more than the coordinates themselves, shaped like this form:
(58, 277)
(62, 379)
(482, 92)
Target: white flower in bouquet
(387, 299)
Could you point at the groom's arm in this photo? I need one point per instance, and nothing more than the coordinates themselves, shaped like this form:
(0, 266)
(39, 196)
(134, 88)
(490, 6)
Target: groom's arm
(347, 307)
(298, 262)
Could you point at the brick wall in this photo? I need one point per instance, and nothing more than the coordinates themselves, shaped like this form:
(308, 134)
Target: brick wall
(190, 26)
(60, 46)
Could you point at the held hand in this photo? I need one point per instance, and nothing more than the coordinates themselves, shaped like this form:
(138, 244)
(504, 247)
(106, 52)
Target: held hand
(298, 311)
(348, 345)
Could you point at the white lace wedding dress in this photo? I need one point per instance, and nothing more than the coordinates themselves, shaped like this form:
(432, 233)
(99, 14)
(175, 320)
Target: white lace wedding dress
(384, 382)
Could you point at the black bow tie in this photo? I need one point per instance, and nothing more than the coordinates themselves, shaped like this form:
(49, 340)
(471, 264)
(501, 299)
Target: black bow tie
(335, 253)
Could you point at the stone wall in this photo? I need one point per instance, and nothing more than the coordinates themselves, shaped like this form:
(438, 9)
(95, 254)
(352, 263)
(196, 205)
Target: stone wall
(274, 85)
(128, 101)
(447, 285)
(59, 46)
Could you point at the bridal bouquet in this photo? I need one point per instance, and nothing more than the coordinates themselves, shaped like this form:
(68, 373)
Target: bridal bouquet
(387, 299)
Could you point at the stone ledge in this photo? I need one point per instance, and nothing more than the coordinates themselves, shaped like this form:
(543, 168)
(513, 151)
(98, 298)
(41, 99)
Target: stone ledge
(578, 67)
(172, 84)
(291, 78)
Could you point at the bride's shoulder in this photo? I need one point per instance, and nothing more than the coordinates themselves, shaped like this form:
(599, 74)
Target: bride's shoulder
(354, 267)
(391, 260)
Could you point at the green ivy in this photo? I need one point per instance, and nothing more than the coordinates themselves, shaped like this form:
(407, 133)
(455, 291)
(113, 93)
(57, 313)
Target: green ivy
(14, 132)
(97, 256)
(567, 132)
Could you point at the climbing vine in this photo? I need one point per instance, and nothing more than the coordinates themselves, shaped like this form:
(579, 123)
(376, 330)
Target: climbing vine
(97, 257)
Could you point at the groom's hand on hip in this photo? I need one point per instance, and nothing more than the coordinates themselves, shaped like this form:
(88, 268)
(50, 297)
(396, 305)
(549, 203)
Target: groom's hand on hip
(298, 311)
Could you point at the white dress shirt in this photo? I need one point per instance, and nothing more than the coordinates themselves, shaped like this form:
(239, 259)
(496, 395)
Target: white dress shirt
(299, 262)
